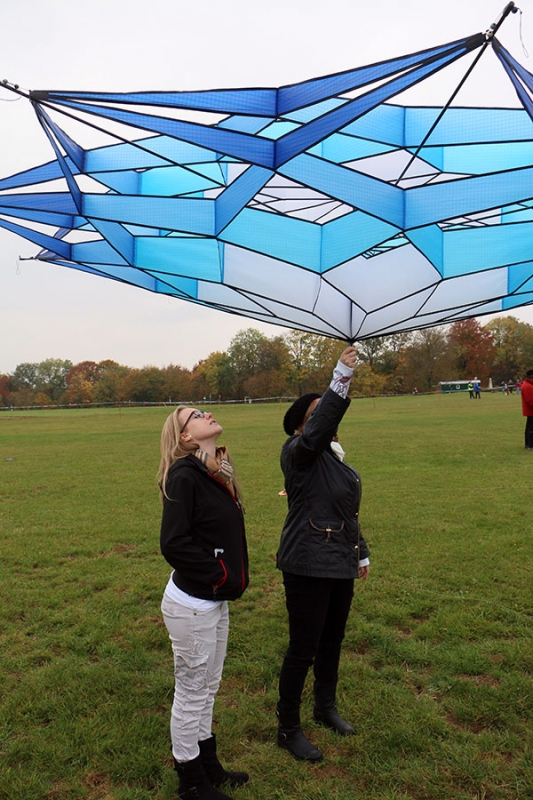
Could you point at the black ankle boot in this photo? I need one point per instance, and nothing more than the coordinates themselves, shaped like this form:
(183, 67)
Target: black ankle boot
(325, 711)
(331, 719)
(214, 769)
(295, 741)
(194, 783)
(292, 738)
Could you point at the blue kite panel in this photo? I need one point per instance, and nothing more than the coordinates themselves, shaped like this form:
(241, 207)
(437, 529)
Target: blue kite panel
(189, 258)
(189, 216)
(351, 235)
(174, 181)
(485, 248)
(273, 235)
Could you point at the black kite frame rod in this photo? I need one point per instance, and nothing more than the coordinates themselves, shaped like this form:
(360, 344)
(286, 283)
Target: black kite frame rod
(489, 35)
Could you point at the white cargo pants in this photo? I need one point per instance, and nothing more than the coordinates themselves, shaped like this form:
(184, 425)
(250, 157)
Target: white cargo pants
(199, 643)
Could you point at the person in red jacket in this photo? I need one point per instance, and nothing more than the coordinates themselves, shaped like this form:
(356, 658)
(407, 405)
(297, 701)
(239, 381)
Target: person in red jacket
(526, 391)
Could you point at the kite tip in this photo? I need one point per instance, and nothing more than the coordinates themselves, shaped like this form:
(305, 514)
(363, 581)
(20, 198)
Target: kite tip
(13, 87)
(509, 8)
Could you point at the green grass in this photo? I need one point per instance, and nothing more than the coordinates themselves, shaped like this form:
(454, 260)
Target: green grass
(436, 671)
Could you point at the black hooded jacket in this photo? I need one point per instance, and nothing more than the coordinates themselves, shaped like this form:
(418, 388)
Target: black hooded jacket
(321, 536)
(202, 533)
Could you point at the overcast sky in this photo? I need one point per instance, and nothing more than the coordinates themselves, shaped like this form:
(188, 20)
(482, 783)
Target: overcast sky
(130, 45)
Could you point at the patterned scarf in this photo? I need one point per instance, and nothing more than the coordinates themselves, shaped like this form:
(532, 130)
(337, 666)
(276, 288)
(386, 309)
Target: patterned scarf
(219, 467)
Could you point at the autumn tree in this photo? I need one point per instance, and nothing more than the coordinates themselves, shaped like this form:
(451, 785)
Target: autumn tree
(267, 383)
(25, 376)
(108, 387)
(246, 355)
(274, 375)
(393, 362)
(176, 384)
(313, 359)
(371, 351)
(366, 382)
(6, 389)
(80, 382)
(427, 359)
(143, 386)
(472, 349)
(212, 377)
(52, 377)
(513, 343)
(385, 357)
(47, 378)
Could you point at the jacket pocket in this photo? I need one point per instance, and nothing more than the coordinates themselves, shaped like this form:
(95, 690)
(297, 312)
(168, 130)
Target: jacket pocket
(325, 542)
(218, 585)
(327, 527)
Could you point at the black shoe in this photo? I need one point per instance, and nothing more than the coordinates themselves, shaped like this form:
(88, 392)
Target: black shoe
(294, 740)
(331, 719)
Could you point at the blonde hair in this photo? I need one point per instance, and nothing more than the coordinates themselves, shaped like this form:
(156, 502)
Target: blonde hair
(173, 447)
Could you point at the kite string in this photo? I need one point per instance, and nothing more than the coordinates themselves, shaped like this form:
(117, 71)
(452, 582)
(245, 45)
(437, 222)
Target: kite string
(524, 49)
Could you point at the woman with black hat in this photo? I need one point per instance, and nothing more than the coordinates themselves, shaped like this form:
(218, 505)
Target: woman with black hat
(320, 553)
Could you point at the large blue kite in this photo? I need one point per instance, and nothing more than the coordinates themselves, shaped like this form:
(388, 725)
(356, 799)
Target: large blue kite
(321, 206)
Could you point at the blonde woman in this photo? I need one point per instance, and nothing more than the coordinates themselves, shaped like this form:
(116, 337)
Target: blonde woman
(203, 539)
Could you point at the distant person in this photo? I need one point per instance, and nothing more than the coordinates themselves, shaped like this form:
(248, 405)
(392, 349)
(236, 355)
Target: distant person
(526, 391)
(321, 551)
(471, 390)
(203, 539)
(477, 389)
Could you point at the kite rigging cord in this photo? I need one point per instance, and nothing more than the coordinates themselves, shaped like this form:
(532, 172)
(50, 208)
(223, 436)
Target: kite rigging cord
(524, 49)
(489, 35)
(12, 87)
(6, 85)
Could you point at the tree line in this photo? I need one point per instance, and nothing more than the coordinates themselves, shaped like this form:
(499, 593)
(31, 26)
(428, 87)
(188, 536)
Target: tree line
(257, 366)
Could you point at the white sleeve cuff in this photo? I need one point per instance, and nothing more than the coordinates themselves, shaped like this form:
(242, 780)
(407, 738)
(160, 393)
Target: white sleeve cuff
(343, 369)
(340, 383)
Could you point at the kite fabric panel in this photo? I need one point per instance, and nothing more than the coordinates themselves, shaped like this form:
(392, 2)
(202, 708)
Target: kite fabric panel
(322, 206)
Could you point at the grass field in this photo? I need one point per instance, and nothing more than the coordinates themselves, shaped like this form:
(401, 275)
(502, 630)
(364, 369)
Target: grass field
(436, 672)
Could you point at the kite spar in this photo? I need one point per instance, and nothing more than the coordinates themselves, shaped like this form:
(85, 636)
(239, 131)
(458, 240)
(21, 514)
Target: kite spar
(325, 206)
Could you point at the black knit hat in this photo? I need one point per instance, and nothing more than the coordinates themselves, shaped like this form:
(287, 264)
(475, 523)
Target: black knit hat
(529, 373)
(296, 413)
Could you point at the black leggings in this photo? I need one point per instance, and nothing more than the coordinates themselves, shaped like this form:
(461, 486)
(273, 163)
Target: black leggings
(318, 610)
(529, 432)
